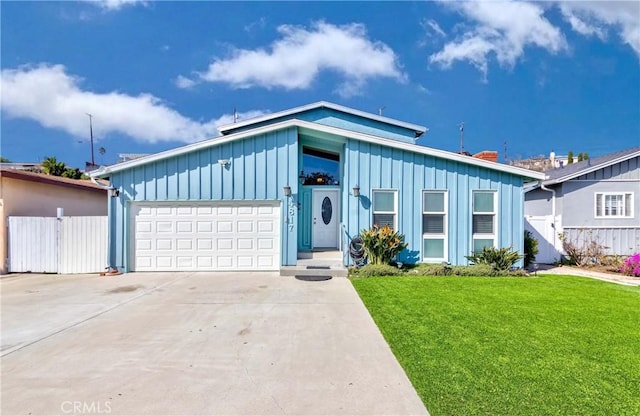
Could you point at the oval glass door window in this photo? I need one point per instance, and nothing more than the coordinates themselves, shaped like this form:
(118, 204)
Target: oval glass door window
(327, 210)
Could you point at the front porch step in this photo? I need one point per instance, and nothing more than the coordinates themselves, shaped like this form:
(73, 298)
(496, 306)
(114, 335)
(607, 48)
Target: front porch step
(313, 270)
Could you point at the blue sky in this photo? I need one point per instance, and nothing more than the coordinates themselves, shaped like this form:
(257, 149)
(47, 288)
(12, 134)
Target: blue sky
(156, 75)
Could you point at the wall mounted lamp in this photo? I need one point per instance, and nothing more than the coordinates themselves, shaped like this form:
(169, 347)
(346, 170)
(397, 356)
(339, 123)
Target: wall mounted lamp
(287, 191)
(356, 191)
(301, 177)
(224, 162)
(113, 192)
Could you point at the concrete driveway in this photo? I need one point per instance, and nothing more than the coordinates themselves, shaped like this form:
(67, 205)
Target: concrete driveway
(194, 343)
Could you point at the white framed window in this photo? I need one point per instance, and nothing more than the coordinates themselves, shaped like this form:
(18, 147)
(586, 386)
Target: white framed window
(385, 208)
(614, 205)
(484, 227)
(434, 226)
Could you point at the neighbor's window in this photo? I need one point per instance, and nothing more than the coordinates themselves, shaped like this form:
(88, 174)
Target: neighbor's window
(385, 208)
(434, 226)
(614, 205)
(484, 220)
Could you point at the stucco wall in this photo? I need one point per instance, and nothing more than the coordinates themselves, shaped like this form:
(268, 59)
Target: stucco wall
(33, 199)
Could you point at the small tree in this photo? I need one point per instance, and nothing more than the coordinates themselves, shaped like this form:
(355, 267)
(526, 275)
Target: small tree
(52, 167)
(585, 156)
(580, 157)
(570, 157)
(4, 160)
(72, 173)
(530, 248)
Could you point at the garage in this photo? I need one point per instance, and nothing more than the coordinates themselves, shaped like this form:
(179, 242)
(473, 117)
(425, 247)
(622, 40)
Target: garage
(205, 236)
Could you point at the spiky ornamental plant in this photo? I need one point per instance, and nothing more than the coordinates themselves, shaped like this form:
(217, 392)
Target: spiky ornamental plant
(382, 244)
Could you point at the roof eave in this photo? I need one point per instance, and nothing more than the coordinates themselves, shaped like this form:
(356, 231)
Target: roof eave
(590, 169)
(326, 129)
(417, 129)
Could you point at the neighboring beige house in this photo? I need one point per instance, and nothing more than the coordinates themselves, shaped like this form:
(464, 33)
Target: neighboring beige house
(29, 194)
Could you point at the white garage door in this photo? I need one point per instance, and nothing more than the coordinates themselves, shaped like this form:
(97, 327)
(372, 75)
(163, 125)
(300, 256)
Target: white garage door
(211, 236)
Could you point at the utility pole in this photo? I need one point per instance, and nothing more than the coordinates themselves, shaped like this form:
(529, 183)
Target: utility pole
(461, 137)
(93, 161)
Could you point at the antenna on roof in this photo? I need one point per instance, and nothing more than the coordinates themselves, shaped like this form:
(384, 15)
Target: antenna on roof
(462, 137)
(235, 115)
(380, 110)
(505, 152)
(93, 162)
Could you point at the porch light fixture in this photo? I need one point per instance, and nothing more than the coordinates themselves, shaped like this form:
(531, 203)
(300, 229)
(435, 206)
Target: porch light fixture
(114, 192)
(356, 191)
(287, 191)
(224, 162)
(301, 177)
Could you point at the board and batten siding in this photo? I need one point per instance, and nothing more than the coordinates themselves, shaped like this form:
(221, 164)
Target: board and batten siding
(372, 166)
(260, 167)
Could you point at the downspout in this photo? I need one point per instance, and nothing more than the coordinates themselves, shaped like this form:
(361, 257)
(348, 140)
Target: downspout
(553, 212)
(111, 269)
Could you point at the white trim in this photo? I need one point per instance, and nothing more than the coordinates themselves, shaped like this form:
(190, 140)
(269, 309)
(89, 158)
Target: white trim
(444, 235)
(395, 206)
(592, 168)
(320, 104)
(484, 236)
(107, 170)
(603, 195)
(604, 227)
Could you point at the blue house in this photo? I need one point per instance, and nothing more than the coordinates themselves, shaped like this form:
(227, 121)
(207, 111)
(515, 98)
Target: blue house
(303, 180)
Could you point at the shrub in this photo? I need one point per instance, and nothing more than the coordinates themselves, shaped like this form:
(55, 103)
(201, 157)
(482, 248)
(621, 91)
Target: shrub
(631, 266)
(530, 248)
(583, 251)
(498, 258)
(382, 244)
(474, 270)
(426, 269)
(371, 270)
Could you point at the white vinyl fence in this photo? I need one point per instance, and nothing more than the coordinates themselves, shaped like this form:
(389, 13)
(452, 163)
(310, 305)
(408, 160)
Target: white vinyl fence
(57, 245)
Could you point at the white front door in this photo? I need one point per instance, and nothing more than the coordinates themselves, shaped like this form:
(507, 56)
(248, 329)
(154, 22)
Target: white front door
(325, 215)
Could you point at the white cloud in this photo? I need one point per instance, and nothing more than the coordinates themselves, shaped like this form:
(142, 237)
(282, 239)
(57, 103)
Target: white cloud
(598, 17)
(432, 25)
(502, 29)
(51, 97)
(184, 82)
(295, 60)
(116, 4)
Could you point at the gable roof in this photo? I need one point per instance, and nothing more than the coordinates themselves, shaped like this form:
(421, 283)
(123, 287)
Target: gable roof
(85, 185)
(574, 170)
(418, 130)
(315, 127)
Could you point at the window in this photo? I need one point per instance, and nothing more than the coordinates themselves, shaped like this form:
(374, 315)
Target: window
(384, 208)
(484, 220)
(614, 205)
(319, 167)
(434, 226)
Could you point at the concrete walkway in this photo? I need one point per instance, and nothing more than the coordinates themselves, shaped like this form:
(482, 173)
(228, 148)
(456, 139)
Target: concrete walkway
(576, 271)
(194, 343)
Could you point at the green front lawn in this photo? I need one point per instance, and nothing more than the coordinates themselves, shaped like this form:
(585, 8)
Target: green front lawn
(552, 345)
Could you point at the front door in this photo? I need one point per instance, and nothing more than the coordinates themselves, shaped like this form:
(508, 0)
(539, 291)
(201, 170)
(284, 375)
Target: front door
(325, 216)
